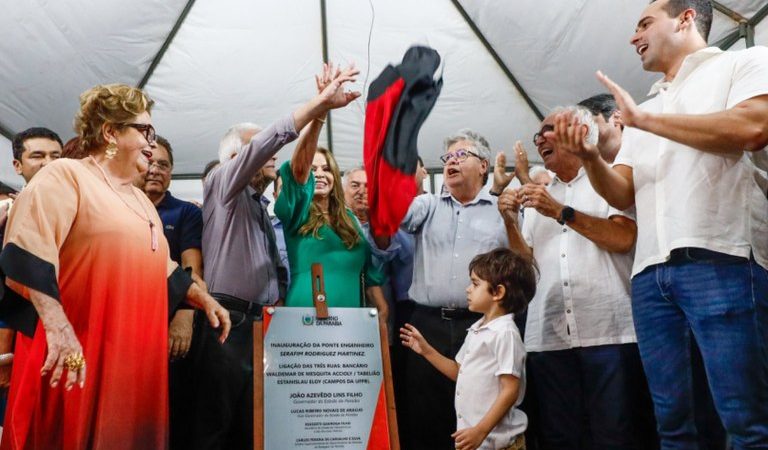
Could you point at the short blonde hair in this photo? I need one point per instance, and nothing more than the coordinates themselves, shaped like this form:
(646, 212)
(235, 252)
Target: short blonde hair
(107, 103)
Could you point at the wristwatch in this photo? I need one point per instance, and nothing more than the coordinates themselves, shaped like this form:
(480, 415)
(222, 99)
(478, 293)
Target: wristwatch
(566, 215)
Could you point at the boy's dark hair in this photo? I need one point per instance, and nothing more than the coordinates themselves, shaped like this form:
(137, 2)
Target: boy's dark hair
(703, 10)
(510, 269)
(31, 133)
(167, 146)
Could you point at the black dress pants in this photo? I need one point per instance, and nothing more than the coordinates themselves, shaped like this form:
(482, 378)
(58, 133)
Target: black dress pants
(223, 392)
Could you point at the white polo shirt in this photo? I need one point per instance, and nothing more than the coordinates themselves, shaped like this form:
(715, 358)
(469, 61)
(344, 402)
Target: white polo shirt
(489, 351)
(582, 297)
(689, 198)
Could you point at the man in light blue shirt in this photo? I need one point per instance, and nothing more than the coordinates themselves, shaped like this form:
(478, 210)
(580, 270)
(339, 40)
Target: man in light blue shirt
(449, 229)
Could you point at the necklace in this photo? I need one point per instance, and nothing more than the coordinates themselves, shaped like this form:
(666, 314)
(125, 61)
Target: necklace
(152, 231)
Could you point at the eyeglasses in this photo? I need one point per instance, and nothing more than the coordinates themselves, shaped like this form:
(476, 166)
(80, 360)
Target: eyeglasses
(144, 128)
(162, 166)
(459, 155)
(540, 134)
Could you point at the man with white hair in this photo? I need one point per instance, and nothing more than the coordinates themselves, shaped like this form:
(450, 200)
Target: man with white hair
(242, 266)
(450, 228)
(582, 354)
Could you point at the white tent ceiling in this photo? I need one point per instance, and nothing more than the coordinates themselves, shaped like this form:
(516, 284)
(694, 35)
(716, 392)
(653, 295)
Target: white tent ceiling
(210, 64)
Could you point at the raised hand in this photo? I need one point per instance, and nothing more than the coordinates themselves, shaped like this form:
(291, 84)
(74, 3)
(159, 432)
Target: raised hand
(501, 178)
(332, 94)
(631, 115)
(571, 135)
(412, 338)
(509, 204)
(522, 167)
(326, 76)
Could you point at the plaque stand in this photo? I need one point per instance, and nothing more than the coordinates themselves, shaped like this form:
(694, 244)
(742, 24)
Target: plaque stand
(321, 310)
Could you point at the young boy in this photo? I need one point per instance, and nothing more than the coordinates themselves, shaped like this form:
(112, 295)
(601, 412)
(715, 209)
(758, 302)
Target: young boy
(489, 369)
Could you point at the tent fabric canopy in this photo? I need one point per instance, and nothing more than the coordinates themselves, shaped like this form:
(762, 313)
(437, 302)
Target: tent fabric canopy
(210, 64)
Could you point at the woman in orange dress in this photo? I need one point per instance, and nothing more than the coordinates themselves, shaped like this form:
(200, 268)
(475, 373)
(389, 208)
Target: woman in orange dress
(84, 251)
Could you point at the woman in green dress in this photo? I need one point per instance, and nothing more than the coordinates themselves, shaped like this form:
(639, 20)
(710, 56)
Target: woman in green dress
(318, 226)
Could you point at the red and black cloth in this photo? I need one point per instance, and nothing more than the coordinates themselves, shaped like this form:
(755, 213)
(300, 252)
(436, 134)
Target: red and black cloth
(398, 103)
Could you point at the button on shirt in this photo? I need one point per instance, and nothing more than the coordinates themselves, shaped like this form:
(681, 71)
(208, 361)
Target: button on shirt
(489, 351)
(448, 235)
(582, 298)
(236, 243)
(182, 225)
(689, 198)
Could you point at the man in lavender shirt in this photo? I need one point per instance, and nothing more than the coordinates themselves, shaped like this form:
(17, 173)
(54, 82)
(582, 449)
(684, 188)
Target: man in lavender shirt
(242, 268)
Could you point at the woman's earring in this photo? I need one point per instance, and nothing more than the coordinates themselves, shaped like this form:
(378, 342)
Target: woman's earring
(111, 150)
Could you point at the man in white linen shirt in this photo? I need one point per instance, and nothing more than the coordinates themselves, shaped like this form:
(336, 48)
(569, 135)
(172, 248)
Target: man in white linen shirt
(582, 356)
(702, 250)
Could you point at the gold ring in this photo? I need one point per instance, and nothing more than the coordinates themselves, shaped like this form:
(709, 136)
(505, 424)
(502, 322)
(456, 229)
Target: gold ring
(74, 362)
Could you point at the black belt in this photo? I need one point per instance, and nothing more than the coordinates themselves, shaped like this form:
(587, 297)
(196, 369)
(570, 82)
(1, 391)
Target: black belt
(236, 304)
(446, 313)
(694, 254)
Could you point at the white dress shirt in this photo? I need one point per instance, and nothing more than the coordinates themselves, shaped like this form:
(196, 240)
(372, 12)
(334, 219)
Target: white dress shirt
(689, 198)
(582, 298)
(489, 351)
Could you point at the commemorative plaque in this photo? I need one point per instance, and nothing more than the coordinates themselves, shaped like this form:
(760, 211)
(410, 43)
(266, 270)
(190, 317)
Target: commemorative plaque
(323, 383)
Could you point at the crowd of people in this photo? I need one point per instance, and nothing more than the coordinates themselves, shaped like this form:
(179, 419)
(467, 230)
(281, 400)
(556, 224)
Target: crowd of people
(617, 299)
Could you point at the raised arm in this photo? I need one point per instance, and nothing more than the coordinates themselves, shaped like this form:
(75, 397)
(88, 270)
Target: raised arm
(509, 207)
(744, 127)
(301, 161)
(236, 174)
(411, 337)
(614, 184)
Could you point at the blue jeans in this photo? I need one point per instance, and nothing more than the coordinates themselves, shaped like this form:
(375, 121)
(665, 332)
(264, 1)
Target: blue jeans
(721, 301)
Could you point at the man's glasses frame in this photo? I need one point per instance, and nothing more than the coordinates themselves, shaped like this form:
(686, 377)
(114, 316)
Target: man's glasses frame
(540, 133)
(459, 155)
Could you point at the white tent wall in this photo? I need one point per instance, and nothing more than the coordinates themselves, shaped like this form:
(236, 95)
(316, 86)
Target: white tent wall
(253, 60)
(54, 50)
(476, 93)
(246, 62)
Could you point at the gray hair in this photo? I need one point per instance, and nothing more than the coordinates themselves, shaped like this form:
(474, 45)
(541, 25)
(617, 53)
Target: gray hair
(585, 118)
(232, 141)
(345, 177)
(479, 144)
(536, 171)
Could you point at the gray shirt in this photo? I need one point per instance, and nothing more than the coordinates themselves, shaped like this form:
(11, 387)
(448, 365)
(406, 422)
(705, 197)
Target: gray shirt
(238, 238)
(448, 235)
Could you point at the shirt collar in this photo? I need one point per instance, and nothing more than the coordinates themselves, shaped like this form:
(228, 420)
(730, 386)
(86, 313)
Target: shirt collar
(484, 196)
(167, 198)
(256, 195)
(496, 324)
(690, 63)
(579, 174)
